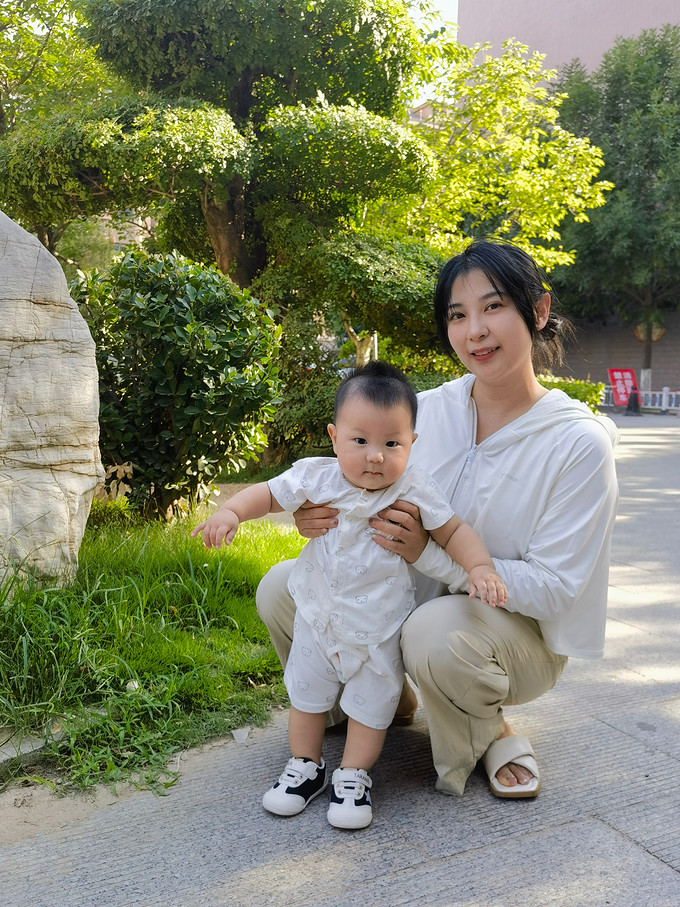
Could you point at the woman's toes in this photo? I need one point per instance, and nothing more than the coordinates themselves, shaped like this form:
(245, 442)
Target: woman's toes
(512, 774)
(506, 777)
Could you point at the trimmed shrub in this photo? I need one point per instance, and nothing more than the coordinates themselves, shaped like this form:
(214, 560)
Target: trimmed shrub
(592, 394)
(186, 370)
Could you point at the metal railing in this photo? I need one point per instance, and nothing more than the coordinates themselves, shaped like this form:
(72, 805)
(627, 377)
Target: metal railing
(663, 400)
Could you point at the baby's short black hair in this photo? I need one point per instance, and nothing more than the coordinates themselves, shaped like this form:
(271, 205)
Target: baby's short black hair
(379, 383)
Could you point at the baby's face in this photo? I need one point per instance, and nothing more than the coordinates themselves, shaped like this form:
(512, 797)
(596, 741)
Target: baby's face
(372, 443)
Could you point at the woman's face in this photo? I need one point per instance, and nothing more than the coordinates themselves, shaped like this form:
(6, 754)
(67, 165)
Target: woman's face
(488, 334)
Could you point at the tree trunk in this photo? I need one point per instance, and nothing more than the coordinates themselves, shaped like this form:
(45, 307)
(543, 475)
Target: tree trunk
(649, 327)
(226, 239)
(48, 235)
(366, 348)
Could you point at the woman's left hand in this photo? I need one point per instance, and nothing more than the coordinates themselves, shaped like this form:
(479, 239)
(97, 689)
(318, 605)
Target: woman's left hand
(402, 522)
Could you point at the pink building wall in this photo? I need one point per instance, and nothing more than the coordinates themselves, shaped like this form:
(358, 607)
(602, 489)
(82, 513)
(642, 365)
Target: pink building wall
(562, 29)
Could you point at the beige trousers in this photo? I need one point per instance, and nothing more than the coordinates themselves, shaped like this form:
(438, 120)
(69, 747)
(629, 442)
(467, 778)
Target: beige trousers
(468, 660)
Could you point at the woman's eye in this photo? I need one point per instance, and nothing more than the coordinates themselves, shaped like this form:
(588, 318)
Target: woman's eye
(455, 316)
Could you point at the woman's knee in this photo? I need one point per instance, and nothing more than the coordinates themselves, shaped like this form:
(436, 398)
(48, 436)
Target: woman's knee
(443, 651)
(432, 628)
(276, 608)
(272, 599)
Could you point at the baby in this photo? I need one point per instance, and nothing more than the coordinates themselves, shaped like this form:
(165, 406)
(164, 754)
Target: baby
(352, 596)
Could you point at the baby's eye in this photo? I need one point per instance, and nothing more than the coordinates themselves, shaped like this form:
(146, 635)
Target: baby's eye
(392, 444)
(360, 440)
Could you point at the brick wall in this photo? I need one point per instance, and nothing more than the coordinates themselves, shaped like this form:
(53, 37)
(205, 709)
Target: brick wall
(600, 347)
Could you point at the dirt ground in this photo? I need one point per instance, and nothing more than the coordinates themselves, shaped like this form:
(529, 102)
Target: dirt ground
(44, 805)
(29, 809)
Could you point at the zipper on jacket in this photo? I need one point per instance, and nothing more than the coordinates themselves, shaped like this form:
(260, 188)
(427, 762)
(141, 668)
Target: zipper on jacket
(463, 474)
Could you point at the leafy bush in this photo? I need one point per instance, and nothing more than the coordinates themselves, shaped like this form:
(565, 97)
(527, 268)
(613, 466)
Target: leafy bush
(310, 377)
(186, 372)
(299, 424)
(587, 392)
(423, 370)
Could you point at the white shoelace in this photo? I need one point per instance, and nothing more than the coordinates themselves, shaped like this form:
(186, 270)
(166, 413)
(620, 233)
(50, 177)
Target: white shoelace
(353, 787)
(295, 772)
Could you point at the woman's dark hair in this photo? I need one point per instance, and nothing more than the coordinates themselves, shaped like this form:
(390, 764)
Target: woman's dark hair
(510, 271)
(379, 383)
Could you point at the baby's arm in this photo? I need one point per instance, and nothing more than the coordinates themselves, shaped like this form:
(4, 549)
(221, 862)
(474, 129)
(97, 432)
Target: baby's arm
(247, 504)
(464, 546)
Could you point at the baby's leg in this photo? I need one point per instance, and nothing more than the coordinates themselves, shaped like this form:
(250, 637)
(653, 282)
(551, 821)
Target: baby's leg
(369, 698)
(305, 775)
(350, 805)
(305, 734)
(363, 745)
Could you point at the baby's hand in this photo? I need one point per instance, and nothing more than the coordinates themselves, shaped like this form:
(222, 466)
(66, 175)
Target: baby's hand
(220, 528)
(488, 585)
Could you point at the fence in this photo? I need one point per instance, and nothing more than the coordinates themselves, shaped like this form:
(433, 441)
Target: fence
(663, 400)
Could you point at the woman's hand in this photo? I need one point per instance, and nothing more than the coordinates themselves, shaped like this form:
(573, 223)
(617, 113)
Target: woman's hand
(402, 522)
(313, 520)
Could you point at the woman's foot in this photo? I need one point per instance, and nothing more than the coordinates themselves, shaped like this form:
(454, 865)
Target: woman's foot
(512, 774)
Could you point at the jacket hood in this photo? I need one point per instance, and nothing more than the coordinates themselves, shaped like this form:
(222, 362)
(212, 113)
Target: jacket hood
(553, 409)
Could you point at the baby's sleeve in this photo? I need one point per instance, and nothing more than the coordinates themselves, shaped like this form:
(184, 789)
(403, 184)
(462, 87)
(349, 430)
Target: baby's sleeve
(435, 510)
(291, 489)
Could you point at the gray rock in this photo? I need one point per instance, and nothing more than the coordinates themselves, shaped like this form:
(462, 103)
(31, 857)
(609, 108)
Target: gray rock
(49, 408)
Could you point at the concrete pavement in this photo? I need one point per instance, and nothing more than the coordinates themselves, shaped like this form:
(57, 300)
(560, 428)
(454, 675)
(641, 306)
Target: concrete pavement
(604, 831)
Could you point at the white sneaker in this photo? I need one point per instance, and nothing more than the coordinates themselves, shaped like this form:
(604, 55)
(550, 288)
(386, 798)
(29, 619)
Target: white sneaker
(301, 781)
(350, 799)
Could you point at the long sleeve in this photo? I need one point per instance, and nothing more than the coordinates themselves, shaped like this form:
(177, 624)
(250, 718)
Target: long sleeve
(435, 563)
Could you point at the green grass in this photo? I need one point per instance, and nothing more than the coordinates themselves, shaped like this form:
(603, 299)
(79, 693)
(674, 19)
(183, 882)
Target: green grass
(155, 647)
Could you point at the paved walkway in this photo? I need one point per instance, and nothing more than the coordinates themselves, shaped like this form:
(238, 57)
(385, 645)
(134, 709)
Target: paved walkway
(604, 831)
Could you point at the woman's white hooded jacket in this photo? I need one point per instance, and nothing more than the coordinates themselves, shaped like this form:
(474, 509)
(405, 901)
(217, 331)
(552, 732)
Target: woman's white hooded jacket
(542, 494)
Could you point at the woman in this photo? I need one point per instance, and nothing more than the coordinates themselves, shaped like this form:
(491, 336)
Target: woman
(533, 472)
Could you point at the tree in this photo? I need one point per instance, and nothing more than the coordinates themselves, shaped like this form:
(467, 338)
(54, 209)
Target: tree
(116, 156)
(44, 62)
(321, 161)
(249, 56)
(143, 152)
(230, 144)
(297, 175)
(253, 60)
(628, 258)
(46, 67)
(508, 168)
